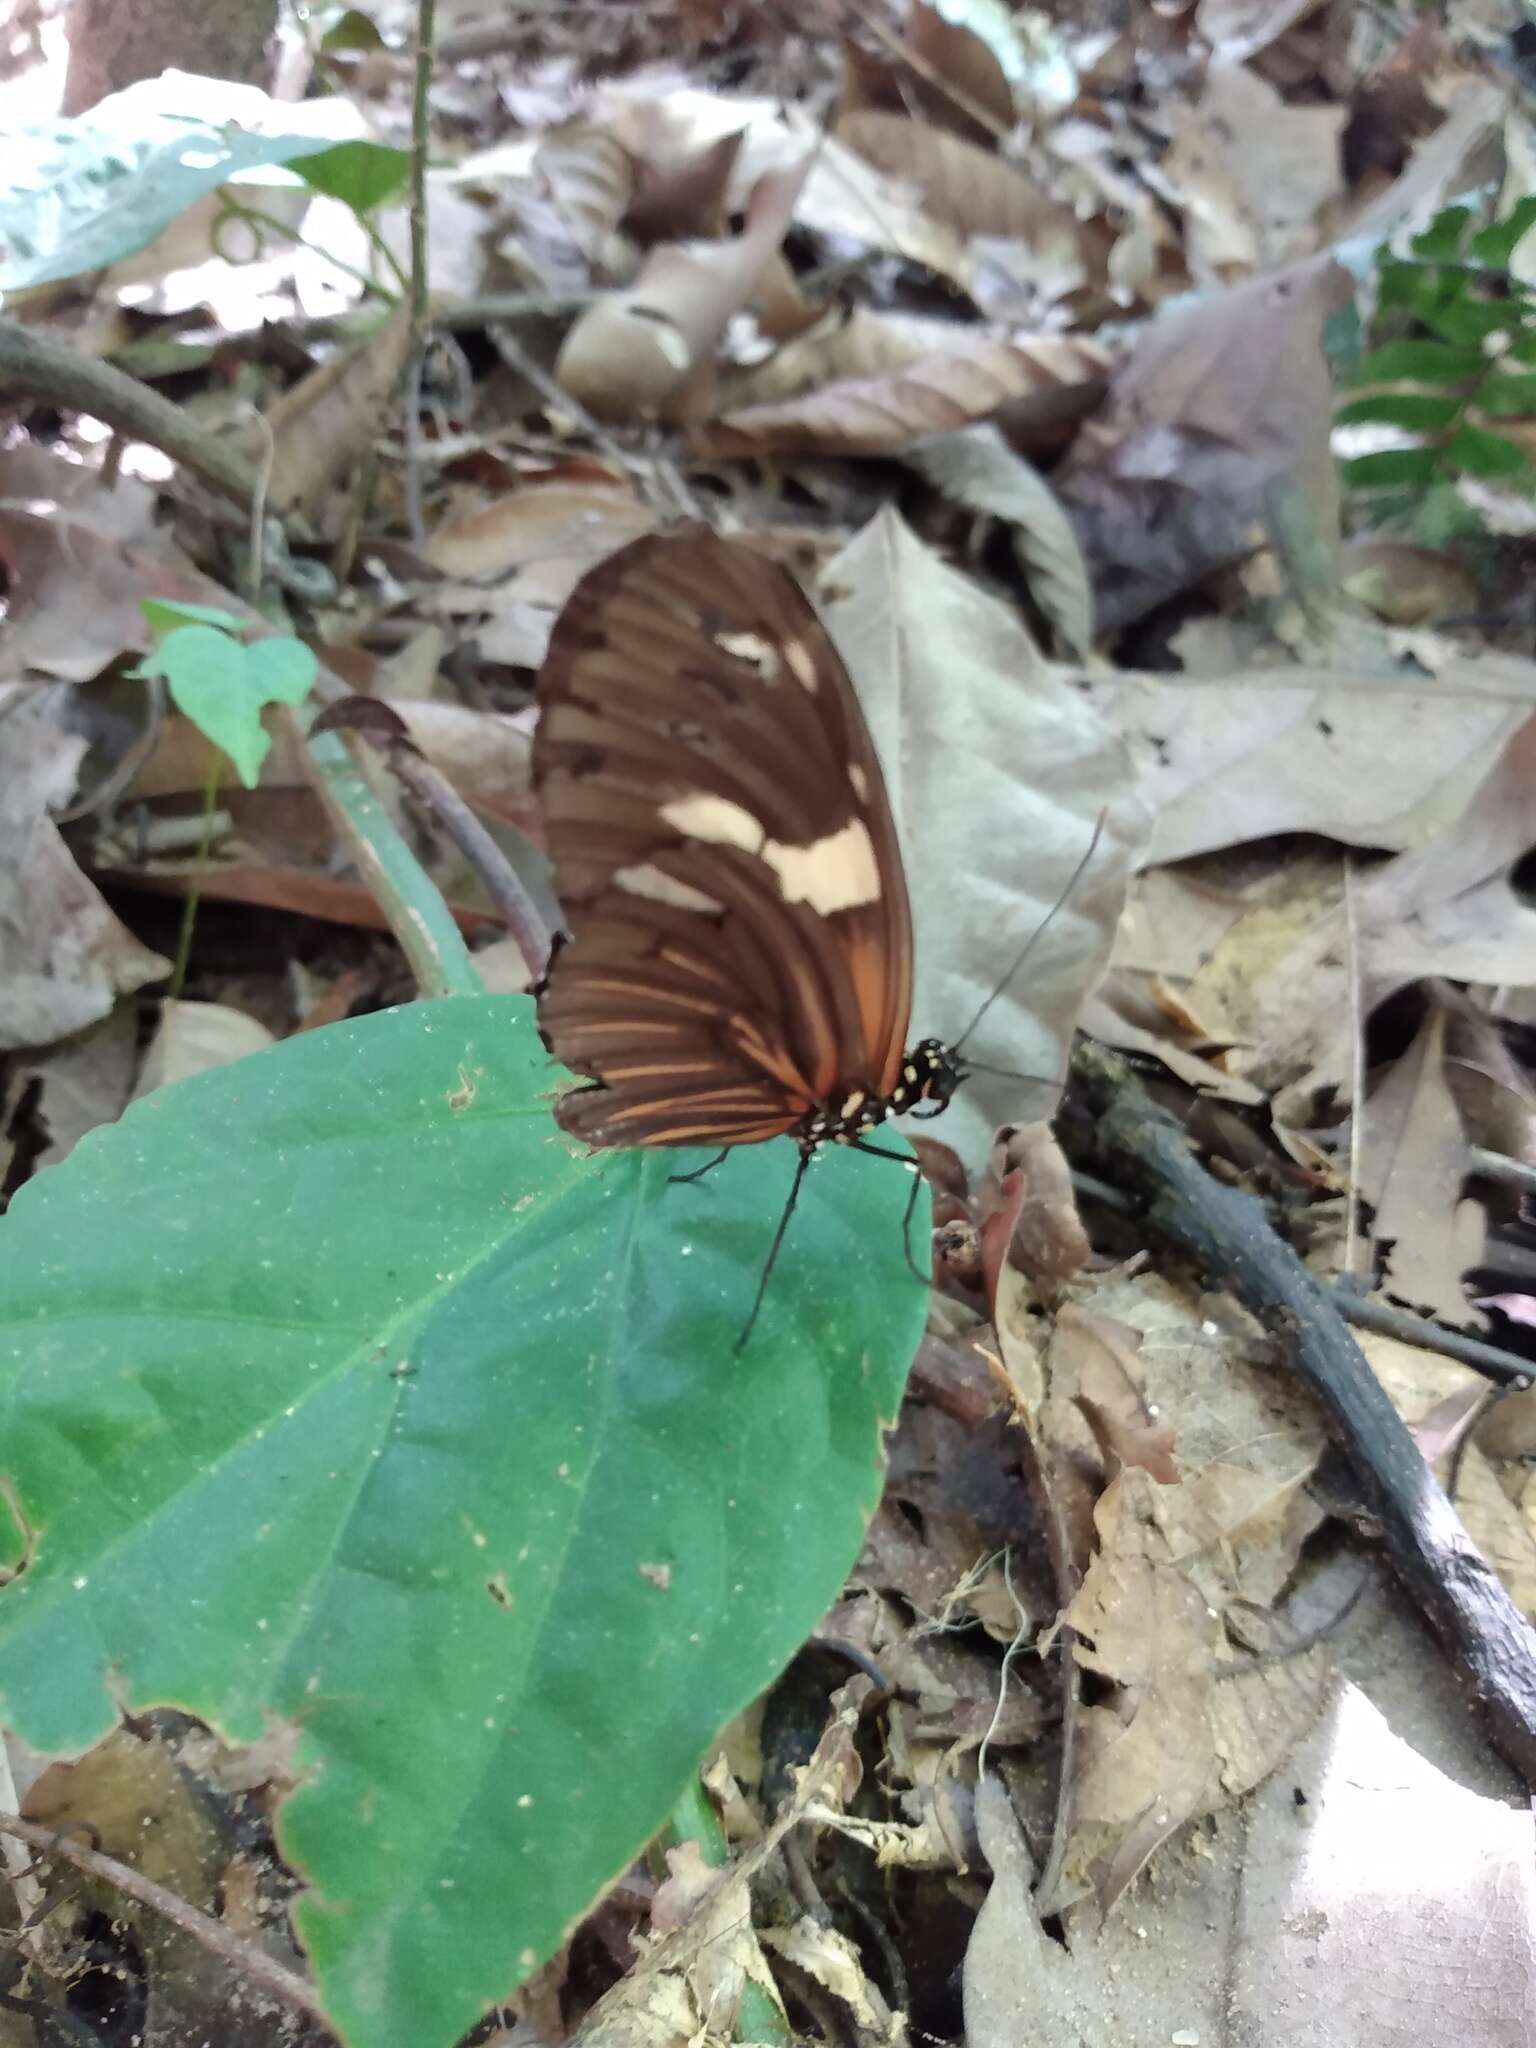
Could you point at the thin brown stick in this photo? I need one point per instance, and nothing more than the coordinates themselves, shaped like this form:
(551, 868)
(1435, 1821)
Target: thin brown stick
(1228, 1236)
(41, 366)
(241, 1956)
(1505, 1367)
(432, 789)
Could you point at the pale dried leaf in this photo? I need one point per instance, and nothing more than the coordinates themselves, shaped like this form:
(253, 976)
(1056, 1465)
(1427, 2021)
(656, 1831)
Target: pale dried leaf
(986, 751)
(635, 352)
(844, 197)
(1218, 417)
(1253, 175)
(977, 194)
(1369, 758)
(64, 958)
(82, 1081)
(1238, 29)
(967, 380)
(977, 468)
(1498, 1528)
(323, 425)
(591, 178)
(1404, 584)
(1413, 1159)
(1451, 908)
(191, 1038)
(831, 1960)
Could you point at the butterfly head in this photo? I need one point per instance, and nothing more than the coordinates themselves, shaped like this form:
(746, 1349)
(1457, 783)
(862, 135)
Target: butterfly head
(930, 1074)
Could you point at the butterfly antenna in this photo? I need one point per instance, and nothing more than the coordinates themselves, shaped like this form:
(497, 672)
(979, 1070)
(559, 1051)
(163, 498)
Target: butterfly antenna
(1071, 883)
(773, 1253)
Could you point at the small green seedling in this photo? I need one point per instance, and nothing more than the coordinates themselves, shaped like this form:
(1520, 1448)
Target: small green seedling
(222, 683)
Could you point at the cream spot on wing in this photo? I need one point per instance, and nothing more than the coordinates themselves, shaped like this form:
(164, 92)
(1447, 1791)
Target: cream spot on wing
(850, 1104)
(801, 666)
(839, 872)
(755, 651)
(650, 882)
(715, 820)
(860, 782)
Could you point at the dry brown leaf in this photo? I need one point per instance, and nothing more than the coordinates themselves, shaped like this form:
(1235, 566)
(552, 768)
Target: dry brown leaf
(676, 201)
(965, 188)
(515, 560)
(1167, 1746)
(1218, 408)
(590, 178)
(1048, 1240)
(1404, 584)
(322, 426)
(844, 197)
(650, 349)
(881, 415)
(1414, 1157)
(64, 957)
(1253, 176)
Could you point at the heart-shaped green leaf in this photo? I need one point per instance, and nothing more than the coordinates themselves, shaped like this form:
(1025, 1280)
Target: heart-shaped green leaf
(221, 686)
(336, 1391)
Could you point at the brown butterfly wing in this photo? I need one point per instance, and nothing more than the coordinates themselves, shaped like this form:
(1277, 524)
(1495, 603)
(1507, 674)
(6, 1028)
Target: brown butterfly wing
(740, 943)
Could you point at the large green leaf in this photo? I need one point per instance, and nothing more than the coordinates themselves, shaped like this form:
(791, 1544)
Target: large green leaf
(336, 1391)
(77, 195)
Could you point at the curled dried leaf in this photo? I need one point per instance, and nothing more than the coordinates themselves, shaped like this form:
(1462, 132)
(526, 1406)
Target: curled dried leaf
(649, 349)
(884, 414)
(965, 188)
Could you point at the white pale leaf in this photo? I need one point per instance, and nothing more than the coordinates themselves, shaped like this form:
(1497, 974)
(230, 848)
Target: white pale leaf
(976, 467)
(998, 769)
(192, 1037)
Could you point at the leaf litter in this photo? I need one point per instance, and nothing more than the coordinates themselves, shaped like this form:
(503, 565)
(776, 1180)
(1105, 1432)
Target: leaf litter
(1083, 285)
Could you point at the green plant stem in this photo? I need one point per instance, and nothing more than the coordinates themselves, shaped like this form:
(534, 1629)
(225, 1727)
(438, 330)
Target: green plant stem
(259, 222)
(195, 891)
(426, 30)
(758, 2018)
(417, 914)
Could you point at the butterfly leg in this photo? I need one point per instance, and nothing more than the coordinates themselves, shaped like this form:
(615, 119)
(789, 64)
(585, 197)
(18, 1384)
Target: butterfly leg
(698, 1172)
(773, 1249)
(879, 1152)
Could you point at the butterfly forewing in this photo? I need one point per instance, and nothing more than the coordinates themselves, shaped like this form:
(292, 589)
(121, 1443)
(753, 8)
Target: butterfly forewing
(740, 945)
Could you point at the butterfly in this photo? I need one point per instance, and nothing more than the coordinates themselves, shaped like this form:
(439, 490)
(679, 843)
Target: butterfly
(738, 961)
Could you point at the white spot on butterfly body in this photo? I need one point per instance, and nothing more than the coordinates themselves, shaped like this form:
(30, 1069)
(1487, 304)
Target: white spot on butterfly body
(851, 1103)
(860, 782)
(839, 872)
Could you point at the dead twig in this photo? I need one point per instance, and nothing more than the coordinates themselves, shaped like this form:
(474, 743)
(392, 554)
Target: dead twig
(1489, 1359)
(1229, 1237)
(39, 366)
(250, 1962)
